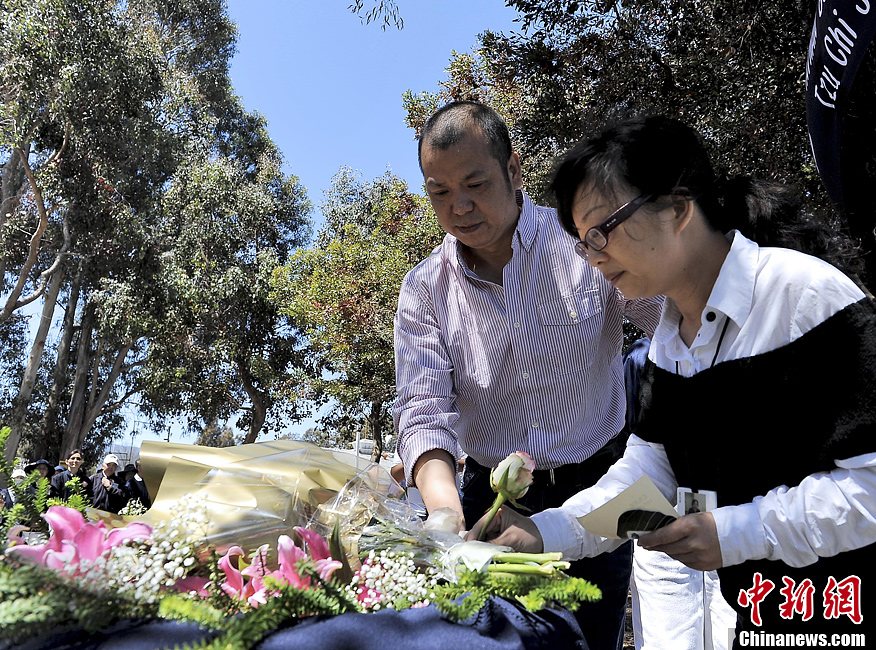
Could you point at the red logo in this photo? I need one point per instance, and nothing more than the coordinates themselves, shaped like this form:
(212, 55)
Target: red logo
(754, 596)
(841, 598)
(798, 600)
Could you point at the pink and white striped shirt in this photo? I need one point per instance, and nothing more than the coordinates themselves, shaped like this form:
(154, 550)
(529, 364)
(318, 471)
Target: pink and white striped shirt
(532, 365)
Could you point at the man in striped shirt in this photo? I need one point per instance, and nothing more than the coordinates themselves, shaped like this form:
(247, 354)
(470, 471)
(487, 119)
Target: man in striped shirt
(506, 340)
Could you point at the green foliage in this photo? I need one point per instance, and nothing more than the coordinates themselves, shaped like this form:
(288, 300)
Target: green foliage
(725, 67)
(181, 608)
(41, 495)
(383, 11)
(460, 600)
(228, 351)
(213, 435)
(29, 503)
(344, 574)
(568, 593)
(343, 292)
(141, 154)
(247, 630)
(32, 498)
(14, 516)
(34, 600)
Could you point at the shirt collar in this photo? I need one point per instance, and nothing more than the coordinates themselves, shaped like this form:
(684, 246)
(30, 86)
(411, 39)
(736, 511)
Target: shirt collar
(527, 225)
(733, 292)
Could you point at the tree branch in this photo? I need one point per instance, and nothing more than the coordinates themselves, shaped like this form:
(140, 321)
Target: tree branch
(35, 240)
(97, 407)
(45, 275)
(112, 406)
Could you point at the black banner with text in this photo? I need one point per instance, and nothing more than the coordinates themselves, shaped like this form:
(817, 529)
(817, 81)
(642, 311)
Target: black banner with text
(841, 106)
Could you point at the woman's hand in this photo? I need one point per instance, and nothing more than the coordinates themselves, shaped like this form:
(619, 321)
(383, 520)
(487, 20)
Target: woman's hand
(692, 540)
(510, 528)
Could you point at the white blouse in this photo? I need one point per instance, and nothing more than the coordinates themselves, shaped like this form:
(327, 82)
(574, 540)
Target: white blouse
(769, 297)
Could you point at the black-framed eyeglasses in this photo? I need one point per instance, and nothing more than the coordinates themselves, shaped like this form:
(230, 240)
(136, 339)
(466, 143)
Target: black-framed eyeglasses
(596, 238)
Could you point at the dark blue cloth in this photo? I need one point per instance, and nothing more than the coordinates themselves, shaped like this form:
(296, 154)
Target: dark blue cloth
(59, 484)
(499, 625)
(137, 490)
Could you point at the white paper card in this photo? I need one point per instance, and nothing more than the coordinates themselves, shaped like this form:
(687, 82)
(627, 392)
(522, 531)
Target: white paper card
(642, 495)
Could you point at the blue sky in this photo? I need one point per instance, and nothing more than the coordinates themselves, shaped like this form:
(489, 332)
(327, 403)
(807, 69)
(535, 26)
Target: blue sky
(330, 87)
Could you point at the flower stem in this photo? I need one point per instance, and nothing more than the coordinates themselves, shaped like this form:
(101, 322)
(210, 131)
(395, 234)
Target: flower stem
(491, 513)
(530, 569)
(562, 566)
(522, 558)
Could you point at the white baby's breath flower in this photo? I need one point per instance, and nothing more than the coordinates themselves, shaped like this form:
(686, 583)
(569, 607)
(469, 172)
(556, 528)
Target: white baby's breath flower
(388, 578)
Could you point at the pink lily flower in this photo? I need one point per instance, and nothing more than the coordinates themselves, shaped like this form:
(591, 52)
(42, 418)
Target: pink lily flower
(319, 552)
(248, 583)
(65, 523)
(234, 584)
(257, 572)
(289, 555)
(13, 536)
(133, 531)
(74, 540)
(316, 546)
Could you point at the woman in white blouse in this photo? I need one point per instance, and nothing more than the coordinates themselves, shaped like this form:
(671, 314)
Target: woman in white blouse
(760, 386)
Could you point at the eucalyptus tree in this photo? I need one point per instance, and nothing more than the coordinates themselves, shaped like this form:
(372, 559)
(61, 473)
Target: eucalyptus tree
(225, 349)
(106, 108)
(343, 292)
(73, 78)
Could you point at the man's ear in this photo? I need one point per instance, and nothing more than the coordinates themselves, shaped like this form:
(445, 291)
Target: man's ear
(515, 174)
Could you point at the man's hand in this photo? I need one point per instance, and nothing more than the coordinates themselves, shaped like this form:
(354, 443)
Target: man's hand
(510, 528)
(435, 478)
(105, 481)
(692, 540)
(446, 520)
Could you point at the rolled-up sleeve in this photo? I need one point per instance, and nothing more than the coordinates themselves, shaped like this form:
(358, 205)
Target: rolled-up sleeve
(424, 412)
(826, 514)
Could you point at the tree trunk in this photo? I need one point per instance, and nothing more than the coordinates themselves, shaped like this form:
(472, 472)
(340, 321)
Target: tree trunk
(25, 392)
(59, 377)
(98, 399)
(11, 187)
(260, 404)
(12, 302)
(375, 425)
(76, 410)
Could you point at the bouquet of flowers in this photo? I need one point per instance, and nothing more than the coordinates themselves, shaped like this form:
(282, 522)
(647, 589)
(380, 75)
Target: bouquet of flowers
(360, 552)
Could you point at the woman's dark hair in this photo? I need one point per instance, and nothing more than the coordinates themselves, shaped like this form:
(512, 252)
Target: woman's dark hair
(661, 156)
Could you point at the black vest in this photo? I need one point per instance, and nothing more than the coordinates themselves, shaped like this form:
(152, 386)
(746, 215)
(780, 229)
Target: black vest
(749, 425)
